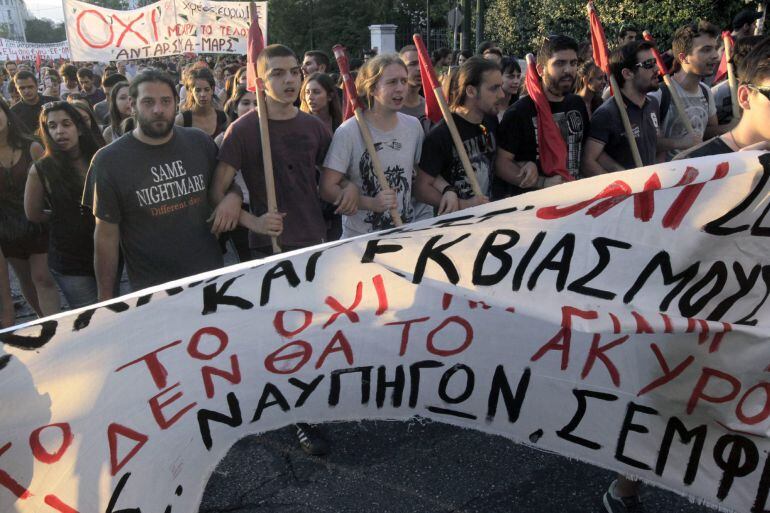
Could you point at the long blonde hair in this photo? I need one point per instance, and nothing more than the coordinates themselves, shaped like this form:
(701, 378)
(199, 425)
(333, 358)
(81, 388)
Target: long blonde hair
(371, 72)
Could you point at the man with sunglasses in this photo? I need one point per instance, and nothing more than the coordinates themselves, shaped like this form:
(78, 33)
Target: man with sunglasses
(607, 149)
(753, 130)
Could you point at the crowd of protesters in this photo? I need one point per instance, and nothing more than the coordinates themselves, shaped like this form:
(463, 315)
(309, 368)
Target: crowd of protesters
(155, 168)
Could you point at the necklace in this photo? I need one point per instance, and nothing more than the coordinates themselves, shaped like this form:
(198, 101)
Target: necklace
(732, 136)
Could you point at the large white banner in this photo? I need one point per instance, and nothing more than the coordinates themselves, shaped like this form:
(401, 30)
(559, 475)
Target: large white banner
(11, 50)
(168, 27)
(620, 320)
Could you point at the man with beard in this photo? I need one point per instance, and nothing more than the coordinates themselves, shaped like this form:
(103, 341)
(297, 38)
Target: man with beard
(696, 57)
(475, 89)
(607, 149)
(150, 194)
(518, 155)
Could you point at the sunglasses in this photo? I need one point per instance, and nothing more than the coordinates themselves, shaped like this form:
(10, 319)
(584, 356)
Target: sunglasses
(764, 91)
(648, 64)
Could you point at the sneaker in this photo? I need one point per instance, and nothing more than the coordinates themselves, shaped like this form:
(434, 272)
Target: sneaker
(615, 504)
(311, 441)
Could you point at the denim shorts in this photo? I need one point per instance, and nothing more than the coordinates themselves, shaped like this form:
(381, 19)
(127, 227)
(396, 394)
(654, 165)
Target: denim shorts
(79, 291)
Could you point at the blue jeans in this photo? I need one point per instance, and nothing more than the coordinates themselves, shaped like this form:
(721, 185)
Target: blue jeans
(79, 291)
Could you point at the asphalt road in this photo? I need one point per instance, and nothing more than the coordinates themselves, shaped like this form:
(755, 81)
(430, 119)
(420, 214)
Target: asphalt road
(410, 467)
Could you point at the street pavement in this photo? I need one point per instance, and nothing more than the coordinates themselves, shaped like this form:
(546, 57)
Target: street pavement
(410, 467)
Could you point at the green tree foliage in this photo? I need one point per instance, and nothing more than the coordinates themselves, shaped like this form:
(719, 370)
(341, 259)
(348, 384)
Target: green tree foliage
(320, 24)
(519, 25)
(44, 31)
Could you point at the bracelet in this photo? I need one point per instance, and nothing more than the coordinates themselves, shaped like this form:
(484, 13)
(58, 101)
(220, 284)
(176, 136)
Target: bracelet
(450, 188)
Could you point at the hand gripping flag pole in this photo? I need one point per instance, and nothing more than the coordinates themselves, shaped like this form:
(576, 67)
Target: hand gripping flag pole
(256, 43)
(352, 95)
(435, 87)
(602, 59)
(668, 80)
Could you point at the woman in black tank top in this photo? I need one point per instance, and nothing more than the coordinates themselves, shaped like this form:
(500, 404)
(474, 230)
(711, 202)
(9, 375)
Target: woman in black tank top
(199, 110)
(23, 243)
(57, 180)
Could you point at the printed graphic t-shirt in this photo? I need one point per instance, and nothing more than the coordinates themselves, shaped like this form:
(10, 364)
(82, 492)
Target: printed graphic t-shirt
(439, 155)
(518, 132)
(399, 152)
(158, 197)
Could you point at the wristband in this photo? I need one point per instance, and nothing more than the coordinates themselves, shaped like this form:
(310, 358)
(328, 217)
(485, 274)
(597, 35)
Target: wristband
(450, 188)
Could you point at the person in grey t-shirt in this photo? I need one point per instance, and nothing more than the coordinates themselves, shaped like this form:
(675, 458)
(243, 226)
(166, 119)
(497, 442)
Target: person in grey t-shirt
(398, 142)
(150, 195)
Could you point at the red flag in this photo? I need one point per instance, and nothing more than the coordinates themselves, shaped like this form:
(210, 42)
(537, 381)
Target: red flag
(351, 102)
(598, 40)
(429, 80)
(661, 65)
(551, 145)
(255, 42)
(722, 70)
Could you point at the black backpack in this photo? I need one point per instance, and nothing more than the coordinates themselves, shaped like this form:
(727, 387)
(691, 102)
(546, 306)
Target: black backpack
(665, 99)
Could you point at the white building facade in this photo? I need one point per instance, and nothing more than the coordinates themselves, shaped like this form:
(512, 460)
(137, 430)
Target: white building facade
(13, 14)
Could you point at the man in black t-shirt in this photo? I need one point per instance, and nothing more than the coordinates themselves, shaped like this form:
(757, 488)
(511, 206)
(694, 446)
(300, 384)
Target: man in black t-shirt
(753, 130)
(518, 155)
(150, 194)
(633, 67)
(28, 109)
(474, 91)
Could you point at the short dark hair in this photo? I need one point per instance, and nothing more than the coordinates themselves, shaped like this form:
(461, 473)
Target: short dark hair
(625, 30)
(269, 52)
(319, 57)
(439, 54)
(151, 75)
(552, 44)
(510, 64)
(113, 79)
(68, 71)
(684, 36)
(24, 75)
(626, 57)
(85, 73)
(743, 45)
(484, 46)
(755, 67)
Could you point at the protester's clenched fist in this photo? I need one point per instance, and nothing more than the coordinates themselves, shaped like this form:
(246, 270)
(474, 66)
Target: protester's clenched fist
(347, 201)
(528, 175)
(385, 200)
(270, 223)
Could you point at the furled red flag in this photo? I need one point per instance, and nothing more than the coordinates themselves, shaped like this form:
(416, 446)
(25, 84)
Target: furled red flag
(722, 70)
(38, 62)
(255, 42)
(429, 81)
(551, 145)
(598, 40)
(350, 97)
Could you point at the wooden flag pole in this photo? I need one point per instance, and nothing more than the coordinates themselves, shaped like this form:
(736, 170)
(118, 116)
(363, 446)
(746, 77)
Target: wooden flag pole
(366, 134)
(616, 94)
(267, 154)
(449, 120)
(732, 80)
(674, 92)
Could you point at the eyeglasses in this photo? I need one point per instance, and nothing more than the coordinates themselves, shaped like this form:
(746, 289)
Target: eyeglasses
(648, 64)
(764, 91)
